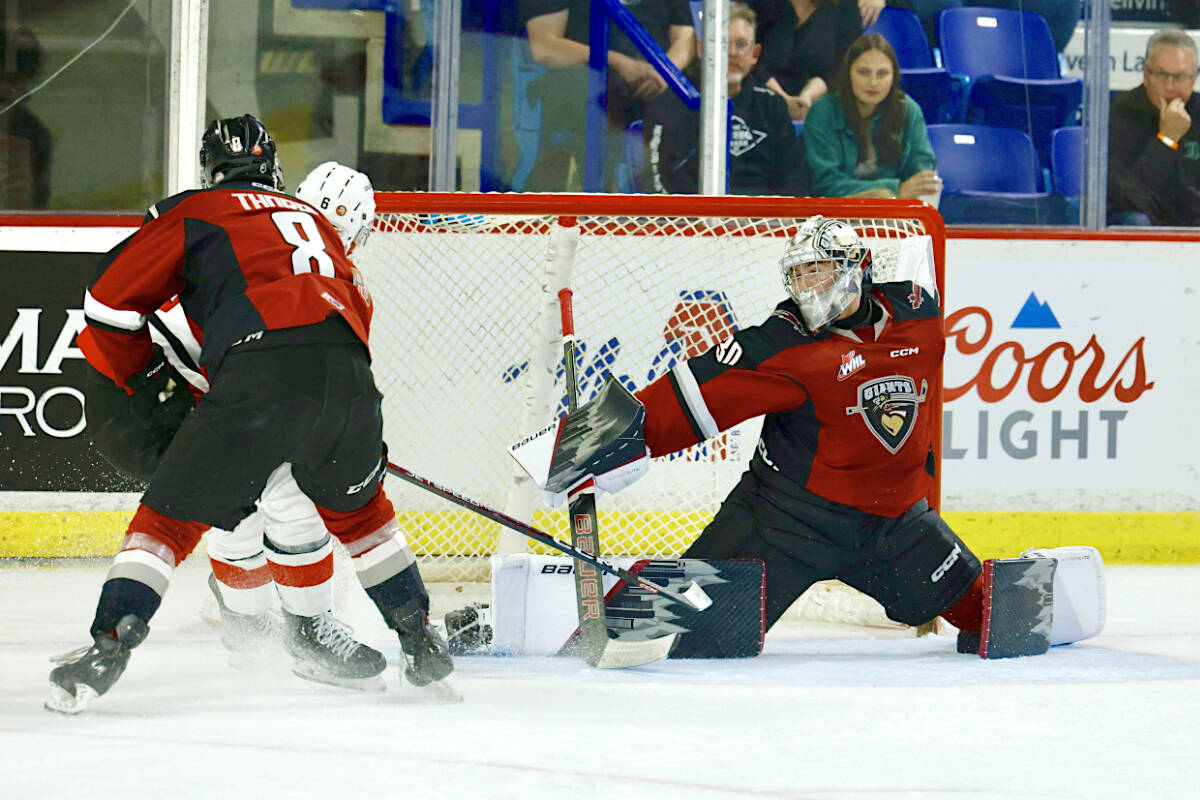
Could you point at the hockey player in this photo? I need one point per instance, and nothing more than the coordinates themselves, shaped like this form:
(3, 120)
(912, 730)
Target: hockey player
(837, 487)
(282, 544)
(241, 580)
(282, 547)
(283, 322)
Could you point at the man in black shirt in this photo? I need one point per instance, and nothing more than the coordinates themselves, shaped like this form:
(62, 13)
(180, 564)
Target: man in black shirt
(764, 153)
(558, 39)
(1153, 145)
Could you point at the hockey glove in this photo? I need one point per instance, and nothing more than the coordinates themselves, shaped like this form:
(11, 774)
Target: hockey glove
(161, 397)
(602, 440)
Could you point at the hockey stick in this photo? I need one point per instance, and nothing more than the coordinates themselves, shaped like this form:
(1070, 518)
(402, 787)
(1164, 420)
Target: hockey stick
(694, 597)
(581, 511)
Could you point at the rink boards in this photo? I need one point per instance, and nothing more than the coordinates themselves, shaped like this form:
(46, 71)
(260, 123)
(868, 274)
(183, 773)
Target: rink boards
(1068, 375)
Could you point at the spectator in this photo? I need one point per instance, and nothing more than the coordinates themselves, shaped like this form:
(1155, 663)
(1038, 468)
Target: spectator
(764, 155)
(867, 138)
(1153, 146)
(558, 38)
(25, 142)
(804, 46)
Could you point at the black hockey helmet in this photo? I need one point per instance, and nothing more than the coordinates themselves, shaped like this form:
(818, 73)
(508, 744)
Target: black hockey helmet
(239, 149)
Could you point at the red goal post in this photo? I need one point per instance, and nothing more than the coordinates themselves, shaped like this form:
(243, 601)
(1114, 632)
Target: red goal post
(467, 350)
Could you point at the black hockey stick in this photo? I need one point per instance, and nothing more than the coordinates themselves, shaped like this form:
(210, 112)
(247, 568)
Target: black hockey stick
(694, 597)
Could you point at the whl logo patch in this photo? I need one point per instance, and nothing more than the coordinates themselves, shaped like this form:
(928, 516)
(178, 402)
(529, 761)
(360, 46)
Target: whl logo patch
(889, 406)
(852, 362)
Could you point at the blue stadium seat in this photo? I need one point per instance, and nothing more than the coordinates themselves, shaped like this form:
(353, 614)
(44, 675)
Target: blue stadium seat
(1011, 67)
(990, 175)
(932, 87)
(1066, 160)
(1066, 167)
(697, 7)
(904, 33)
(935, 91)
(798, 126)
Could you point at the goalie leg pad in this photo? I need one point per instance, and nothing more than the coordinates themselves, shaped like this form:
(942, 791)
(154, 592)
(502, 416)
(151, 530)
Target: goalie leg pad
(1018, 609)
(1079, 592)
(533, 606)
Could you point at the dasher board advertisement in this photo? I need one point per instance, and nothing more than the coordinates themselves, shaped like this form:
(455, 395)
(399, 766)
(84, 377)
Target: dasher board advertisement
(1069, 370)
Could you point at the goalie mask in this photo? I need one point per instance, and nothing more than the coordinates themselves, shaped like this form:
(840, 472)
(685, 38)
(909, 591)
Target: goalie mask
(345, 197)
(239, 149)
(823, 269)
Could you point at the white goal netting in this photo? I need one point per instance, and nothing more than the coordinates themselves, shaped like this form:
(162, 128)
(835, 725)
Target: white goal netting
(467, 348)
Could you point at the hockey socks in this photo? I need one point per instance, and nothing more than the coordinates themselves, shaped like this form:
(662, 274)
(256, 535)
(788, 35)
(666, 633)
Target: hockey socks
(1018, 609)
(121, 597)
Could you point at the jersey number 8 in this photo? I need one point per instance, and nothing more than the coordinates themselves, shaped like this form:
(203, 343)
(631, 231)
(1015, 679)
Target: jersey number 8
(300, 230)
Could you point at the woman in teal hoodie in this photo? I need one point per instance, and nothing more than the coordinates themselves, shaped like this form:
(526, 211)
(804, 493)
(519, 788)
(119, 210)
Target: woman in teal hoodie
(867, 137)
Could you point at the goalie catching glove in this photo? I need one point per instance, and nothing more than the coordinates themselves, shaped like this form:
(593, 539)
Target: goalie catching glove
(602, 440)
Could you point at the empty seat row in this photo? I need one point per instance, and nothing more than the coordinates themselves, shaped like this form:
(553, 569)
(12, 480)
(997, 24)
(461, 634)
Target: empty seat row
(993, 175)
(999, 67)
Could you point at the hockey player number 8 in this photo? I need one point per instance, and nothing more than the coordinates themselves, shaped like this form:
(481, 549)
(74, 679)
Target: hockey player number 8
(299, 230)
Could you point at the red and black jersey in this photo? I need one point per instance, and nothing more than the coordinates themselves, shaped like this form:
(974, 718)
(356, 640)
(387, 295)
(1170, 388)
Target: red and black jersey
(243, 260)
(846, 410)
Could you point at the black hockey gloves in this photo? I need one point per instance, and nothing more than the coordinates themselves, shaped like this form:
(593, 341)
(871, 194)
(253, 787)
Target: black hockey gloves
(161, 398)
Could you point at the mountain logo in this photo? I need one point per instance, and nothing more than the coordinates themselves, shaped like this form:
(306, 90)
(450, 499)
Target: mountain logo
(1035, 314)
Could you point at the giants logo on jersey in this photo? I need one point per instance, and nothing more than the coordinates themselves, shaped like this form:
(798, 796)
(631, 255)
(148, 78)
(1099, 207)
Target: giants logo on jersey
(889, 406)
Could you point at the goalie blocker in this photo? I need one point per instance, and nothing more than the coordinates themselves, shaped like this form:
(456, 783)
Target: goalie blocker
(601, 440)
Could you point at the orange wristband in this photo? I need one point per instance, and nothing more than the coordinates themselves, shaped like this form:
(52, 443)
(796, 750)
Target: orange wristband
(1168, 141)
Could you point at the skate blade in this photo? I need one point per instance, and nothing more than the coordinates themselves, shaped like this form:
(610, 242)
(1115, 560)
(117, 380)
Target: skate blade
(372, 684)
(443, 692)
(61, 701)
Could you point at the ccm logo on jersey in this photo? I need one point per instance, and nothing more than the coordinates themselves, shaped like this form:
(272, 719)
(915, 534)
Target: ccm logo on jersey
(904, 351)
(940, 572)
(729, 352)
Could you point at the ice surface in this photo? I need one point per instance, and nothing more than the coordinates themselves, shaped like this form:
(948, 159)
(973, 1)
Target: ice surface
(816, 716)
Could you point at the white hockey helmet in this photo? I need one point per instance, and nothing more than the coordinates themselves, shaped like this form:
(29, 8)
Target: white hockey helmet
(345, 197)
(823, 294)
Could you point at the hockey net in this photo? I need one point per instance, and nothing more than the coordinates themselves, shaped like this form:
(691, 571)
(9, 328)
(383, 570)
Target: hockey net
(467, 350)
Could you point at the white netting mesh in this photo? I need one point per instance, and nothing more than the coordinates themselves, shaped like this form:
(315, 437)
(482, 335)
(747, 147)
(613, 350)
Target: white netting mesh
(467, 353)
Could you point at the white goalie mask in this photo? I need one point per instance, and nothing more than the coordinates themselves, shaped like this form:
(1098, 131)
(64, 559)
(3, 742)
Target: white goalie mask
(823, 292)
(345, 197)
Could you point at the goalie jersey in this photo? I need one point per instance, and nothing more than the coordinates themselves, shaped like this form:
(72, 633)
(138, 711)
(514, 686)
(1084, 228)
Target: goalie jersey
(243, 260)
(847, 411)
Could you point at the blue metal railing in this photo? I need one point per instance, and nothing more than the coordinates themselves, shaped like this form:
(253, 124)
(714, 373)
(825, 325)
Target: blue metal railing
(602, 12)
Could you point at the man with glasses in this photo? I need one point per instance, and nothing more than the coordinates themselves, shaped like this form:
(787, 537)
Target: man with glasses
(765, 157)
(1153, 145)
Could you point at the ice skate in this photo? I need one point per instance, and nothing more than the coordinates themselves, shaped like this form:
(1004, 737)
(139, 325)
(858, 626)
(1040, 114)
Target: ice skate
(84, 674)
(247, 638)
(427, 663)
(325, 652)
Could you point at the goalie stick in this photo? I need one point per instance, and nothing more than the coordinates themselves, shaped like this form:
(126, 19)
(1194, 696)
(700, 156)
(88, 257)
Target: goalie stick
(694, 597)
(581, 513)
